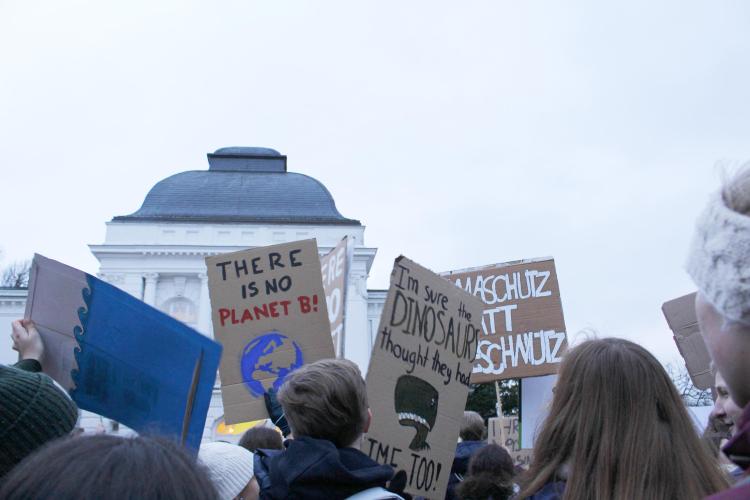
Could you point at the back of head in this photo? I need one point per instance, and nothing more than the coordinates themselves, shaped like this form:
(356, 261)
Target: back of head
(229, 466)
(105, 466)
(326, 400)
(33, 411)
(472, 427)
(261, 438)
(490, 475)
(620, 429)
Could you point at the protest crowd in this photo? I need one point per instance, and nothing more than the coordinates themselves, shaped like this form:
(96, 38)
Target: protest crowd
(616, 426)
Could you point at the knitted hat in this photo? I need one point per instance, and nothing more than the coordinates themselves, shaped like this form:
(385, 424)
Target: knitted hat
(32, 411)
(719, 260)
(230, 467)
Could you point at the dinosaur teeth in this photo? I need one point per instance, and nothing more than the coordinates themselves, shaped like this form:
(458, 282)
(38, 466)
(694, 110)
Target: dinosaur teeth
(415, 418)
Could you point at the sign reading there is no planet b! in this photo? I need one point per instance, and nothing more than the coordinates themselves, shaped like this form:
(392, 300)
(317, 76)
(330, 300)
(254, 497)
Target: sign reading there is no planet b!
(269, 312)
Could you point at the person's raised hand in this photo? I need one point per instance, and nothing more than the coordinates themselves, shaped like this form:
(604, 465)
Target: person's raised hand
(26, 339)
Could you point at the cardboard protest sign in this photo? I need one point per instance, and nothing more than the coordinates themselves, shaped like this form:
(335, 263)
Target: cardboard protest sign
(120, 357)
(335, 269)
(506, 432)
(419, 374)
(268, 310)
(680, 315)
(523, 325)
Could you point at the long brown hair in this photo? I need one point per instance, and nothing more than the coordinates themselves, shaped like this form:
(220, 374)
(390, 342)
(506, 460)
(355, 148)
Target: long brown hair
(619, 429)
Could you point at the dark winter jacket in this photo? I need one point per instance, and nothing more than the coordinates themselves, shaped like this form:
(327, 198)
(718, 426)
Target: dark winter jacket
(738, 450)
(550, 491)
(464, 451)
(316, 469)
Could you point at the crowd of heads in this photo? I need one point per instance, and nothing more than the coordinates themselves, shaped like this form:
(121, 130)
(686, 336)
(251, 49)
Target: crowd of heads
(616, 428)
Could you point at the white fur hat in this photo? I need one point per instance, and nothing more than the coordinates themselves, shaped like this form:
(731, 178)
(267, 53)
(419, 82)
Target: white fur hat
(230, 467)
(719, 260)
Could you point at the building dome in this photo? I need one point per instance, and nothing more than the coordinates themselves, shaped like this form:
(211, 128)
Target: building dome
(241, 185)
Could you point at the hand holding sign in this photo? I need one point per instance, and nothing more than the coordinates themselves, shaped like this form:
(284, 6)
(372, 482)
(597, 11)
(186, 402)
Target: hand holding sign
(26, 340)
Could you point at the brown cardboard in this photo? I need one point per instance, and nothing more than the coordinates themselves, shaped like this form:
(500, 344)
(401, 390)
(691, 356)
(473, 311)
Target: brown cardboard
(506, 431)
(419, 375)
(523, 325)
(680, 315)
(334, 267)
(257, 295)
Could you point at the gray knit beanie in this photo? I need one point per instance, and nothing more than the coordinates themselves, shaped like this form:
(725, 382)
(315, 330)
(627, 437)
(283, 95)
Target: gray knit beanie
(719, 260)
(33, 411)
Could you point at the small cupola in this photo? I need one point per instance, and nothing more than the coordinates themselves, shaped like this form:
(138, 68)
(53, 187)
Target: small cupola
(247, 159)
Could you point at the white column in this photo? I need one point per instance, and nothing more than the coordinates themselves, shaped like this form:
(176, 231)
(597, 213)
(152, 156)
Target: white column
(149, 291)
(204, 311)
(356, 335)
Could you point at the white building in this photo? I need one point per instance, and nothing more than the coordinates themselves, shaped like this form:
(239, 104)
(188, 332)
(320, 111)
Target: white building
(246, 198)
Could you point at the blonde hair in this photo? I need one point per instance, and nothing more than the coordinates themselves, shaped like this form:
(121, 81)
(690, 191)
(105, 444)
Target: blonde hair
(472, 427)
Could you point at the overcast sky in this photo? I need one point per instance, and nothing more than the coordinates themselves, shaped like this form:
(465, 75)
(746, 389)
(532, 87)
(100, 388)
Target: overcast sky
(459, 133)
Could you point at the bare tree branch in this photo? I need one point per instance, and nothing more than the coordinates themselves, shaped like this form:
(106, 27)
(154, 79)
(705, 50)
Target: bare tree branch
(16, 275)
(691, 395)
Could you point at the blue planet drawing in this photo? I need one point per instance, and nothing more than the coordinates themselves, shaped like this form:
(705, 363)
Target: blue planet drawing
(257, 361)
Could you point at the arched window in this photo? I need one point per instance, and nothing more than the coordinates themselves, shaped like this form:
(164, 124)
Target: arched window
(181, 309)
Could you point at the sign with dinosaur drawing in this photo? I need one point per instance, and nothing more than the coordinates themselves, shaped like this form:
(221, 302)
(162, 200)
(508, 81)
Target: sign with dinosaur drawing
(419, 376)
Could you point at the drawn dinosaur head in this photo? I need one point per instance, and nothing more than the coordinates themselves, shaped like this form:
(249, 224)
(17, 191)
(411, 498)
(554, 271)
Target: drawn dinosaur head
(416, 404)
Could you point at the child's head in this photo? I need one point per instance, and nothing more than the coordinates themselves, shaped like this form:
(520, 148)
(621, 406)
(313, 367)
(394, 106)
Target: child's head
(326, 400)
(261, 438)
(472, 427)
(490, 474)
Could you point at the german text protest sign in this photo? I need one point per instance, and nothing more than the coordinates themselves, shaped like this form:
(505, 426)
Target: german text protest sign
(680, 315)
(120, 357)
(506, 431)
(522, 323)
(268, 310)
(335, 269)
(419, 374)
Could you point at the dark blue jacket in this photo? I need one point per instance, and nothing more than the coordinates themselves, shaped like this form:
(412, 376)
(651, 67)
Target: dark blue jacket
(464, 451)
(316, 469)
(550, 491)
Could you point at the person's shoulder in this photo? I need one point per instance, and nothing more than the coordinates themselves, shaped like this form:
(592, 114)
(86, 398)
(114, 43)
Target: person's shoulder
(29, 365)
(550, 491)
(467, 448)
(740, 490)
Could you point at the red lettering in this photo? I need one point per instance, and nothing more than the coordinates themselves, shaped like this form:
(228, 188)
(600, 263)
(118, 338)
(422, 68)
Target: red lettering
(261, 311)
(304, 304)
(223, 315)
(246, 316)
(272, 308)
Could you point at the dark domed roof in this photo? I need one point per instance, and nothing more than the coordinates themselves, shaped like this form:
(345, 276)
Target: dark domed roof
(241, 185)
